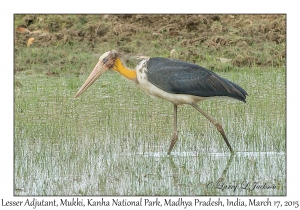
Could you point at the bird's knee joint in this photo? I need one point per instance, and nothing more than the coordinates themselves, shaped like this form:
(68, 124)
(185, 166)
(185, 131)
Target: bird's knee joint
(219, 127)
(175, 136)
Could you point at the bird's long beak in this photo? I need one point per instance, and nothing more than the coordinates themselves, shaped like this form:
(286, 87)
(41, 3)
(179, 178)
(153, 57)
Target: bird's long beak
(99, 69)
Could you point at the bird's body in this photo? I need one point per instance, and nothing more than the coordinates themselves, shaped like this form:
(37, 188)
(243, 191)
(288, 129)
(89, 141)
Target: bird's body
(184, 83)
(176, 81)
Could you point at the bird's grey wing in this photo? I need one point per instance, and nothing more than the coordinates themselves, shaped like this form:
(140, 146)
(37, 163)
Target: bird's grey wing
(179, 77)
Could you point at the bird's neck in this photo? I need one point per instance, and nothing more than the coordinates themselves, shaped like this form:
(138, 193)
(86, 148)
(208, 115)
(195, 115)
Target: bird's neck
(128, 73)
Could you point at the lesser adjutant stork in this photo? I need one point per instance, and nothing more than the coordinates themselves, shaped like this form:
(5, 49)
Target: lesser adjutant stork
(176, 81)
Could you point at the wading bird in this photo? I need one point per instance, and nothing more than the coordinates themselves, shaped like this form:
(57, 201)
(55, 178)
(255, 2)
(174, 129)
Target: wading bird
(173, 80)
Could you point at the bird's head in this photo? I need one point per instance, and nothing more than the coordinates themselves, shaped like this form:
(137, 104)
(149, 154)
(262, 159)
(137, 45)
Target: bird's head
(106, 61)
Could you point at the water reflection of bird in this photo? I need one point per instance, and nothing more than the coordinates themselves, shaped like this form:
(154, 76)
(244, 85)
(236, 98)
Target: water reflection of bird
(173, 80)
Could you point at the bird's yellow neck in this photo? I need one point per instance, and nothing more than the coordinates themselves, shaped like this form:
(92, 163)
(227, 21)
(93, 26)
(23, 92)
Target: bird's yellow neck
(128, 73)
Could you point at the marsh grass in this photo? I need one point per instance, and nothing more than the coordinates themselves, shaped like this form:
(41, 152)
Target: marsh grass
(113, 139)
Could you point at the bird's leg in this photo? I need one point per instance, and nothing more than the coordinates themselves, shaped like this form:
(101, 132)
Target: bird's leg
(175, 132)
(218, 125)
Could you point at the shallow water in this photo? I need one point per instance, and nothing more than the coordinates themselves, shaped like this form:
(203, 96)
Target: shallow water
(215, 154)
(113, 140)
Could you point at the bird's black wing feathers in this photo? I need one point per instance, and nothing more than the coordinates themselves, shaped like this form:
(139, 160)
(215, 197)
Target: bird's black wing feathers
(180, 77)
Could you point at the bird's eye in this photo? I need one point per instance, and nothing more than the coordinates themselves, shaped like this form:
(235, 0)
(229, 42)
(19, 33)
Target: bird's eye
(105, 60)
